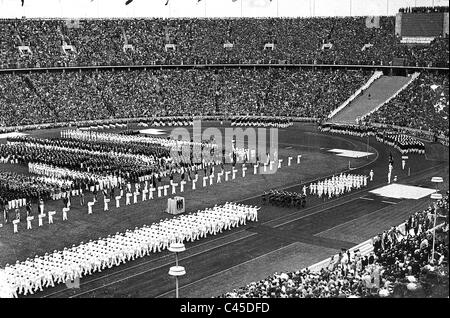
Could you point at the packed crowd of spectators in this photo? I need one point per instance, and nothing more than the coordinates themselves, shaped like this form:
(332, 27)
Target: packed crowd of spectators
(424, 105)
(440, 9)
(399, 266)
(200, 41)
(78, 96)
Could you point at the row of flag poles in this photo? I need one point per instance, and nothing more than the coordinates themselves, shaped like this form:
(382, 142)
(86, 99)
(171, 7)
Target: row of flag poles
(167, 2)
(251, 3)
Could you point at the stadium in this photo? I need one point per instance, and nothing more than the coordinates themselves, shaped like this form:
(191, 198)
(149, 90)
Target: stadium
(224, 149)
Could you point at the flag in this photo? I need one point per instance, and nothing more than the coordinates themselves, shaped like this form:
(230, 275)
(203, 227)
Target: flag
(372, 22)
(167, 2)
(23, 1)
(128, 2)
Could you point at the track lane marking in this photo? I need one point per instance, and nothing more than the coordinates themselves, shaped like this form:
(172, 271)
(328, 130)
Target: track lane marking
(227, 269)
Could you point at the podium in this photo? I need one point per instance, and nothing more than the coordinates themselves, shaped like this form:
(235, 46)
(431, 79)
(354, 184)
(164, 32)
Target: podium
(175, 205)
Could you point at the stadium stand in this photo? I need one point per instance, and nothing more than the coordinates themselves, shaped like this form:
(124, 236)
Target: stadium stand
(207, 41)
(424, 104)
(74, 96)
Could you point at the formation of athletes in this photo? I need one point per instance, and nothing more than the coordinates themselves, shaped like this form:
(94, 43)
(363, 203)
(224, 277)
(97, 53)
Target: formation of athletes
(34, 274)
(135, 174)
(336, 185)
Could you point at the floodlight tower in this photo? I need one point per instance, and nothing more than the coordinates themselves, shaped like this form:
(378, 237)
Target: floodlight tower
(177, 270)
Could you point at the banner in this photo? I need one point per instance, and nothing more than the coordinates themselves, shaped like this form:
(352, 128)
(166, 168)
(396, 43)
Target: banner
(73, 24)
(373, 22)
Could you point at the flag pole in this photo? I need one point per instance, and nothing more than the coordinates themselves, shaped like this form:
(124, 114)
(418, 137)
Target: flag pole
(241, 8)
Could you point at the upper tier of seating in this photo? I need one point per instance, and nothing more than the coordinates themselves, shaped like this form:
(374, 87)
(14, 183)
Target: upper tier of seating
(201, 41)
